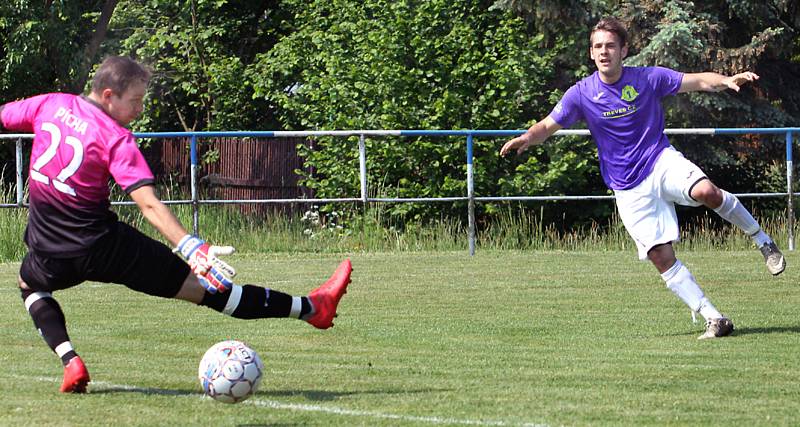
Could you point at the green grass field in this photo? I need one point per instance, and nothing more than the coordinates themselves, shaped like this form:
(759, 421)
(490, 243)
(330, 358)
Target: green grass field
(433, 338)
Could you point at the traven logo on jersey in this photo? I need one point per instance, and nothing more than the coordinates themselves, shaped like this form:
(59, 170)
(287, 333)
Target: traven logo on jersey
(629, 94)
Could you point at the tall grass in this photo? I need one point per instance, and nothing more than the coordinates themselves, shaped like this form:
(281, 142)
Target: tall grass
(12, 227)
(366, 230)
(526, 229)
(363, 231)
(12, 224)
(523, 229)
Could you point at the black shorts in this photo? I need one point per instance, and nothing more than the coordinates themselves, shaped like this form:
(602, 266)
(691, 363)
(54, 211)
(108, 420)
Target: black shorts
(125, 256)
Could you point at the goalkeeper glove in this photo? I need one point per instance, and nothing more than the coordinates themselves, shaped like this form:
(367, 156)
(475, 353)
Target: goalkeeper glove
(214, 282)
(202, 258)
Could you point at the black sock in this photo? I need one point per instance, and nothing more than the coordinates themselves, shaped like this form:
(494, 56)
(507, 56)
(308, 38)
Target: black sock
(49, 320)
(306, 308)
(254, 302)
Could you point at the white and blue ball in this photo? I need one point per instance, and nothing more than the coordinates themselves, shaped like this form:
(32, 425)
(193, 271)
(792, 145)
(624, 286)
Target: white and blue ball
(230, 371)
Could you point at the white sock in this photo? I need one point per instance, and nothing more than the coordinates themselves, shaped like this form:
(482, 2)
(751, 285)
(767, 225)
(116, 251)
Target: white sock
(761, 238)
(297, 305)
(64, 348)
(234, 298)
(733, 211)
(681, 282)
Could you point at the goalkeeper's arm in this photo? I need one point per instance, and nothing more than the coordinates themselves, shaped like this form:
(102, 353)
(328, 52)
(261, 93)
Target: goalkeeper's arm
(158, 214)
(214, 274)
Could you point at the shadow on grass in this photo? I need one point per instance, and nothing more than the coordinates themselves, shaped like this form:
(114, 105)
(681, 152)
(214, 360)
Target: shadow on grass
(313, 395)
(99, 389)
(767, 330)
(321, 395)
(749, 331)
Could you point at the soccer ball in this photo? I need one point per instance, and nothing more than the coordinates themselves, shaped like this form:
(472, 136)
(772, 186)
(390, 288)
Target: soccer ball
(230, 371)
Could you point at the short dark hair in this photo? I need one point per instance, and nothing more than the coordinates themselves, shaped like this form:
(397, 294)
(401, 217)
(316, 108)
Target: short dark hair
(612, 25)
(118, 73)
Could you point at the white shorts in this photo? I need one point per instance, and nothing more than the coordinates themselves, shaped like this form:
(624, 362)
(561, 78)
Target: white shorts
(648, 210)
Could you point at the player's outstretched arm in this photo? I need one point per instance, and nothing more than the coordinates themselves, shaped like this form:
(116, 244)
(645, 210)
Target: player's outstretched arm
(536, 134)
(158, 214)
(713, 82)
(214, 274)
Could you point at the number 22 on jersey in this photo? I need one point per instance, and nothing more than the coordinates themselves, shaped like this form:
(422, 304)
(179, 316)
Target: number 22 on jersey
(59, 182)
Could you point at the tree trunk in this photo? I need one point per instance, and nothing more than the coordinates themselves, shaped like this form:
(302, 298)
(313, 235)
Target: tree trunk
(94, 44)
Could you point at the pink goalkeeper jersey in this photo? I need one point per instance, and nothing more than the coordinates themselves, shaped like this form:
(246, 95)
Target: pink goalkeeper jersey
(76, 149)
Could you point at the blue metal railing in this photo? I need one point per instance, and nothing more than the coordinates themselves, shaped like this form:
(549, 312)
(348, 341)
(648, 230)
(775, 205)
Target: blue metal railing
(470, 197)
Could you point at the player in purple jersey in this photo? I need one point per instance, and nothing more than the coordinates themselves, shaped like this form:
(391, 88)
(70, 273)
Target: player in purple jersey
(72, 236)
(621, 106)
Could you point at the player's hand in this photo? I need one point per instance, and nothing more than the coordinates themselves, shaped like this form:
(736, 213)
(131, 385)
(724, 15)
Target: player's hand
(520, 143)
(214, 281)
(736, 81)
(203, 259)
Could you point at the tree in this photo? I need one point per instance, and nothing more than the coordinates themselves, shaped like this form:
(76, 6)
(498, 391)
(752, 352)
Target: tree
(42, 45)
(41, 48)
(200, 51)
(725, 36)
(90, 53)
(436, 64)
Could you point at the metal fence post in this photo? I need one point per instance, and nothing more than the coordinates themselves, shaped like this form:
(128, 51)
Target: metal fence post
(193, 183)
(790, 199)
(470, 197)
(20, 182)
(362, 163)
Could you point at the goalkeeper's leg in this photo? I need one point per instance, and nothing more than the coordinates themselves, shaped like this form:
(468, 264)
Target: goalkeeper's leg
(255, 302)
(37, 279)
(49, 320)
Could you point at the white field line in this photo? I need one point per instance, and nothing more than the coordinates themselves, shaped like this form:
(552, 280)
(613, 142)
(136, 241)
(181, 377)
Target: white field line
(274, 404)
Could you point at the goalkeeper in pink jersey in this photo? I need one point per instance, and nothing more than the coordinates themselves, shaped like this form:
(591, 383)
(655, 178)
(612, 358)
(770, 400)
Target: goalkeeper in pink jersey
(72, 236)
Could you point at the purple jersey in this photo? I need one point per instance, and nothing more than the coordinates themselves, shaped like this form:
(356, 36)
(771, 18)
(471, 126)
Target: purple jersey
(625, 118)
(76, 149)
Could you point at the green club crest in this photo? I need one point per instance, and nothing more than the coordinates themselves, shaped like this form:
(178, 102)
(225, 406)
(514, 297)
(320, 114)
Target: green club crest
(629, 93)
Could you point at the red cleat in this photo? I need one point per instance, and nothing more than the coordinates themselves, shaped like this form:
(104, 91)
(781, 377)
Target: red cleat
(326, 297)
(76, 377)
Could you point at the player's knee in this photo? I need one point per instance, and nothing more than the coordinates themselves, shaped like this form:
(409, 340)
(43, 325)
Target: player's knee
(24, 293)
(707, 193)
(27, 294)
(662, 256)
(191, 290)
